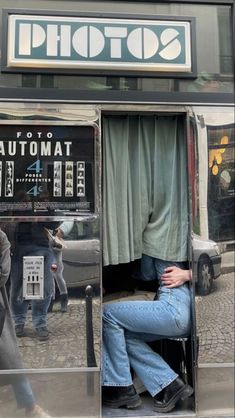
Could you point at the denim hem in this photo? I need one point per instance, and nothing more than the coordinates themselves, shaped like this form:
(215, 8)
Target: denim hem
(26, 405)
(165, 385)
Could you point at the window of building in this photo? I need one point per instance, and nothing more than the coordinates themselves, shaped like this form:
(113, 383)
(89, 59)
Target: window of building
(221, 182)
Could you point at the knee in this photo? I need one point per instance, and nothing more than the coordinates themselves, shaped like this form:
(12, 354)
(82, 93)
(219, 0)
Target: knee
(105, 312)
(108, 317)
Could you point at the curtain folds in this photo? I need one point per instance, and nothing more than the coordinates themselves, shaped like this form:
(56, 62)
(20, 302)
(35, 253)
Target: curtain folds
(144, 188)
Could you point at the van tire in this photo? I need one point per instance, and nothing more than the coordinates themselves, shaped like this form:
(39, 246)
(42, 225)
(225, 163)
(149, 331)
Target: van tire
(205, 276)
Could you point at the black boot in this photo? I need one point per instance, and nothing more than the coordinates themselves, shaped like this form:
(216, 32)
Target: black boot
(64, 302)
(120, 396)
(166, 400)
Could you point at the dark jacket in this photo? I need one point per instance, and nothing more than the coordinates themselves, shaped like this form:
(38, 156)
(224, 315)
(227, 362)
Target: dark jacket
(34, 233)
(9, 353)
(24, 233)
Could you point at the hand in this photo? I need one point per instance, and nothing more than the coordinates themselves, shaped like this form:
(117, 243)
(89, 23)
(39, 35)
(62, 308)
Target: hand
(59, 233)
(174, 277)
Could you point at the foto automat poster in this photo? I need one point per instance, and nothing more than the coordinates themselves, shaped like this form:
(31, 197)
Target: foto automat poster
(46, 168)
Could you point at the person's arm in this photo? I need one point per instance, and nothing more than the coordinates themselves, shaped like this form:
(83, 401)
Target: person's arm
(64, 229)
(174, 276)
(5, 258)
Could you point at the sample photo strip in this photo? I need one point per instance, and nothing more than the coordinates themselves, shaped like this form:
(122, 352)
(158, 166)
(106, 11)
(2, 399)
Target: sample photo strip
(81, 178)
(57, 185)
(69, 178)
(9, 178)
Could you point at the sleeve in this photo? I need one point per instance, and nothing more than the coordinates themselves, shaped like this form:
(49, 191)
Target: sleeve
(66, 227)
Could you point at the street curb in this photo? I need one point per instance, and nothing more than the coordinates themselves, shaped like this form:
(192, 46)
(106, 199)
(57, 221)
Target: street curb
(227, 269)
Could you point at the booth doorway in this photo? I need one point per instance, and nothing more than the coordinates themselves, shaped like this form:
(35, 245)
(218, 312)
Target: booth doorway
(145, 209)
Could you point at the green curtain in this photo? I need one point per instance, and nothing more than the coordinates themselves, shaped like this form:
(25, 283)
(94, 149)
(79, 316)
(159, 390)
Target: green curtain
(144, 188)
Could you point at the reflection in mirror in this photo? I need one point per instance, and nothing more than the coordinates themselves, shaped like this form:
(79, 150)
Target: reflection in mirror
(54, 292)
(213, 226)
(51, 394)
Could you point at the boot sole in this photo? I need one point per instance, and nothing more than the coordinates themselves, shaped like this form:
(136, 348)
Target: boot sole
(182, 394)
(42, 337)
(129, 404)
(20, 335)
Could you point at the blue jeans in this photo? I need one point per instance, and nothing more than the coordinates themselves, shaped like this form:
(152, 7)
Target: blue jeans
(58, 275)
(23, 393)
(129, 326)
(19, 306)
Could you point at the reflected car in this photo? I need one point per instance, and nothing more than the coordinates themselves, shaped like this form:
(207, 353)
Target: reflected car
(206, 264)
(81, 256)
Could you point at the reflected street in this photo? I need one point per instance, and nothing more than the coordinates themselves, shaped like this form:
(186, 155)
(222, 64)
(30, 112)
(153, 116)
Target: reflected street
(215, 322)
(66, 346)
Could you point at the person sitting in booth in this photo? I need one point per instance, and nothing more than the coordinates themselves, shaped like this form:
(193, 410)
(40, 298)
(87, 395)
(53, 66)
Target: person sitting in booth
(129, 326)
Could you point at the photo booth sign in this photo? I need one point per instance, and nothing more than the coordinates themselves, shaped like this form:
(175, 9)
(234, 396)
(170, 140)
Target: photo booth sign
(47, 168)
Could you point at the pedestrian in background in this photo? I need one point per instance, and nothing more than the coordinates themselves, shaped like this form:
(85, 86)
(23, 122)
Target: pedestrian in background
(61, 232)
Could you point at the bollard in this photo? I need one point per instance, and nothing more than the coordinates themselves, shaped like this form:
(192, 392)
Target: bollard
(91, 360)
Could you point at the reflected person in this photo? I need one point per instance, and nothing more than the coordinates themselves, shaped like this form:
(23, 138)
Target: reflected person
(9, 353)
(61, 232)
(31, 240)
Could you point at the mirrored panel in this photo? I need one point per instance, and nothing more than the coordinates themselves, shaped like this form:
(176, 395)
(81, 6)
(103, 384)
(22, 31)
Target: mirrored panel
(50, 236)
(57, 394)
(213, 224)
(54, 293)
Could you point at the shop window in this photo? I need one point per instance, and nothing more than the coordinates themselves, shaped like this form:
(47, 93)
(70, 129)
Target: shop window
(226, 58)
(29, 80)
(46, 81)
(37, 81)
(221, 183)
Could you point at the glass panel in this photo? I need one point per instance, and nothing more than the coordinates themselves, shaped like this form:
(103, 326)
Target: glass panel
(221, 182)
(213, 42)
(60, 394)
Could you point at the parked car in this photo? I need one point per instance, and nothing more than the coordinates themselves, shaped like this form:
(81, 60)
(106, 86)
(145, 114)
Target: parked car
(206, 264)
(81, 256)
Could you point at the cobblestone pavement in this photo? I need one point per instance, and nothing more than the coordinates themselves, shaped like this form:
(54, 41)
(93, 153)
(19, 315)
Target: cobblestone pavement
(64, 394)
(66, 346)
(215, 322)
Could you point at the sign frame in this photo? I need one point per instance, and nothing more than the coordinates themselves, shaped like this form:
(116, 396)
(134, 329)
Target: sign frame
(33, 277)
(90, 67)
(43, 209)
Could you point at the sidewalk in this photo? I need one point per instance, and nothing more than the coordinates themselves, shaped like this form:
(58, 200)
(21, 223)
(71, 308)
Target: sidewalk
(228, 262)
(66, 347)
